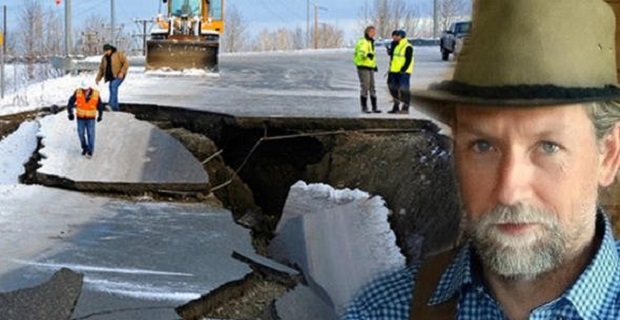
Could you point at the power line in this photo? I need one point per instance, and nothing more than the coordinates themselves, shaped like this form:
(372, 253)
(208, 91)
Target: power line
(271, 11)
(275, 14)
(290, 9)
(87, 7)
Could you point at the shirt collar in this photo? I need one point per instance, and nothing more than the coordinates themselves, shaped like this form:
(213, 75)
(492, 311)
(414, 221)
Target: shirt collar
(458, 275)
(586, 295)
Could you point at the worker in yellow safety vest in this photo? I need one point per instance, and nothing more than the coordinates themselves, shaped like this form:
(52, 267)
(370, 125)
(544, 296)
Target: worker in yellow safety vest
(88, 105)
(365, 60)
(401, 67)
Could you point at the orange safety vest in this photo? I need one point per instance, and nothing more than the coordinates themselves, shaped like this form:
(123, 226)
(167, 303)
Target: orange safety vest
(86, 109)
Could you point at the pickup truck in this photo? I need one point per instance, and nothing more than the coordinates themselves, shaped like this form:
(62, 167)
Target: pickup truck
(450, 37)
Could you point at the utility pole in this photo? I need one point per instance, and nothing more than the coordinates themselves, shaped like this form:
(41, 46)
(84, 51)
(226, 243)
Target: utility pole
(435, 18)
(316, 24)
(112, 18)
(3, 51)
(307, 23)
(144, 22)
(68, 27)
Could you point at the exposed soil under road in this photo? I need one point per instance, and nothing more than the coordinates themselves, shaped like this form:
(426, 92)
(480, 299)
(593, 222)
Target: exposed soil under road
(253, 162)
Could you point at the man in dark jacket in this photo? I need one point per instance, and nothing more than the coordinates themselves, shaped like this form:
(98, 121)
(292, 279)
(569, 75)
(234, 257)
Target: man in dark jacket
(401, 67)
(113, 68)
(88, 106)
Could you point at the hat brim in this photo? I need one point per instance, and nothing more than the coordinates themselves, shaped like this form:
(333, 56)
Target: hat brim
(440, 99)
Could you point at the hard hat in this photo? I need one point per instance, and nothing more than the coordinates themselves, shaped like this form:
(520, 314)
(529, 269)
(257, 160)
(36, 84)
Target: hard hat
(83, 84)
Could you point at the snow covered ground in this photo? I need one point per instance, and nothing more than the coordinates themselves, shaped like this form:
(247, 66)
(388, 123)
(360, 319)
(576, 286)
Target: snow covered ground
(16, 150)
(305, 83)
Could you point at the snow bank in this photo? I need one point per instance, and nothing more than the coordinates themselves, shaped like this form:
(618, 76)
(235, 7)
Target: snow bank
(16, 150)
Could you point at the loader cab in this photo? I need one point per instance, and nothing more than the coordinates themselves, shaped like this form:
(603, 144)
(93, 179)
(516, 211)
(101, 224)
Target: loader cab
(207, 9)
(215, 9)
(187, 8)
(209, 14)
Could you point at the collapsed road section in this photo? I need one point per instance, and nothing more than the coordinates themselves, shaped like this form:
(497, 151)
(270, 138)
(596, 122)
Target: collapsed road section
(131, 156)
(252, 164)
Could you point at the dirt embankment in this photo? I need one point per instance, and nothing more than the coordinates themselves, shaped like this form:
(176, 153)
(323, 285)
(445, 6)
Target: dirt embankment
(255, 163)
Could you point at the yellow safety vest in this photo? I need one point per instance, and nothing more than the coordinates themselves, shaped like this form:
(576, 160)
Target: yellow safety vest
(399, 59)
(86, 109)
(362, 49)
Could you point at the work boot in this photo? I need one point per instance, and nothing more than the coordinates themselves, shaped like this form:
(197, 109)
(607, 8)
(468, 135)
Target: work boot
(405, 109)
(364, 102)
(394, 108)
(373, 102)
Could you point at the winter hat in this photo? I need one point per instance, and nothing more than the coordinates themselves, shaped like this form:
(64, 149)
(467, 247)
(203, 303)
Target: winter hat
(107, 47)
(401, 33)
(548, 53)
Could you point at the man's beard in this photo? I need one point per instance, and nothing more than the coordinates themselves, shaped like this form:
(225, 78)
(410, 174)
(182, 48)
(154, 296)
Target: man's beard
(523, 256)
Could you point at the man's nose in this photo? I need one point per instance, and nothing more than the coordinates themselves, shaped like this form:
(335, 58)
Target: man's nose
(514, 181)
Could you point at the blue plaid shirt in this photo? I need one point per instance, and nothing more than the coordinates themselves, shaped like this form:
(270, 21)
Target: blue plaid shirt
(595, 294)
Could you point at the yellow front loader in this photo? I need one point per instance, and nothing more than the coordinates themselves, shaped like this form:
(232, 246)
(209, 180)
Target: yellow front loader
(187, 37)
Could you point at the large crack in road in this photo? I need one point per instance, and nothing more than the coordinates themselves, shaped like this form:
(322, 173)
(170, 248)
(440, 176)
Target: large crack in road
(256, 160)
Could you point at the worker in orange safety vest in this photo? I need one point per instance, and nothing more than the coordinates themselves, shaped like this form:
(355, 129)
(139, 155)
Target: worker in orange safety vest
(88, 105)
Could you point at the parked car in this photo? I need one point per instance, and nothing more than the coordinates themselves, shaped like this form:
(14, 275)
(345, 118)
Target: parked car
(450, 37)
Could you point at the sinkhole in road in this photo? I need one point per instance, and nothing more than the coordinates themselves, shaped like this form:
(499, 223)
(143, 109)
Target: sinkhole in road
(253, 161)
(258, 159)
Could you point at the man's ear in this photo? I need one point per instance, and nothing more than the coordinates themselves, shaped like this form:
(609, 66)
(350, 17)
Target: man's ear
(610, 156)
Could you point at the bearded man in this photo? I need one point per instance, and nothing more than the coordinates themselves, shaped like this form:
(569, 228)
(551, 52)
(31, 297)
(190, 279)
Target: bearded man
(535, 124)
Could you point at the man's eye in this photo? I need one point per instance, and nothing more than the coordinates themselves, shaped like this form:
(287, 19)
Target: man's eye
(481, 146)
(549, 147)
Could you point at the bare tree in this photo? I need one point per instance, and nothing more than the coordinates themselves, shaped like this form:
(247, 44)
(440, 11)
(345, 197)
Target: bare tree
(330, 36)
(92, 35)
(37, 35)
(264, 41)
(283, 39)
(389, 15)
(452, 10)
(299, 39)
(234, 38)
(53, 33)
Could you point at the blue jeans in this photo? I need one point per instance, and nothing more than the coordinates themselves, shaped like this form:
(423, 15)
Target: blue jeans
(113, 101)
(86, 133)
(399, 85)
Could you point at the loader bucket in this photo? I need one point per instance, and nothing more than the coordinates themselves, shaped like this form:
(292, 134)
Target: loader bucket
(182, 54)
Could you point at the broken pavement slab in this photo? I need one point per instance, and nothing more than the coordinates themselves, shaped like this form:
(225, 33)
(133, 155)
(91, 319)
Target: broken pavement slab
(270, 269)
(130, 156)
(301, 304)
(341, 239)
(139, 260)
(53, 300)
